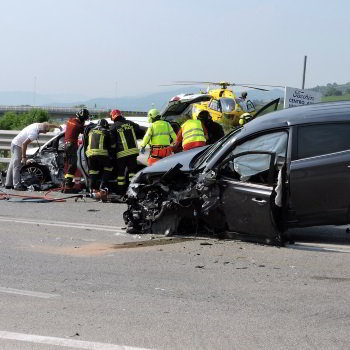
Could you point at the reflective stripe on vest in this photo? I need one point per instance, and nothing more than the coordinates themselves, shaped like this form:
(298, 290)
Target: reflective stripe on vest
(192, 131)
(96, 143)
(161, 133)
(123, 133)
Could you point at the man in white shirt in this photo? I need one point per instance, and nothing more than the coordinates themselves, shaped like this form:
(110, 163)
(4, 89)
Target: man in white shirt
(18, 152)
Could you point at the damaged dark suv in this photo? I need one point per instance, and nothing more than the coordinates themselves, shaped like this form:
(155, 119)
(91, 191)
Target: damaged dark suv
(286, 169)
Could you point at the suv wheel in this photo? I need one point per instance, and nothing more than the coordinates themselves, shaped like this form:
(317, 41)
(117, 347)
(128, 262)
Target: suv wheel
(34, 173)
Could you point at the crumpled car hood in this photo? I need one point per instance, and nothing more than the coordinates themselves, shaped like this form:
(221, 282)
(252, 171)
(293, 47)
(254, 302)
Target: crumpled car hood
(167, 163)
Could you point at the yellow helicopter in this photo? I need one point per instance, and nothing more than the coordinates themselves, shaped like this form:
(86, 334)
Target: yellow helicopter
(224, 104)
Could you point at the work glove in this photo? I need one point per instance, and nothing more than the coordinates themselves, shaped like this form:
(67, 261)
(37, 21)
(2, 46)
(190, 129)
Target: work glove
(142, 150)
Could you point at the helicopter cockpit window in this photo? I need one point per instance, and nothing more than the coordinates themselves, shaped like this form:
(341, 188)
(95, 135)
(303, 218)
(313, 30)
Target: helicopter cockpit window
(214, 105)
(227, 105)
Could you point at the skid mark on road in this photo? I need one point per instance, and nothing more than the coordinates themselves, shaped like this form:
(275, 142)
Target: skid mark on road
(63, 342)
(95, 249)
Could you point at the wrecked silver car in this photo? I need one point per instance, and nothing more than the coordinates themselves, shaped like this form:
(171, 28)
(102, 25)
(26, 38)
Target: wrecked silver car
(45, 168)
(282, 170)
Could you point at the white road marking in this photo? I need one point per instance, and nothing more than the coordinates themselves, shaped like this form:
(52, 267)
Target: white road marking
(78, 344)
(117, 229)
(320, 247)
(28, 293)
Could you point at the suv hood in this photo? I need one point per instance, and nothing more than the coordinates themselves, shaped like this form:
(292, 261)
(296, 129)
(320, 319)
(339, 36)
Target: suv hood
(167, 163)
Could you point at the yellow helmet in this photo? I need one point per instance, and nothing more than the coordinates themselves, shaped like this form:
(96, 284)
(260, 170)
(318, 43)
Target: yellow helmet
(244, 118)
(152, 114)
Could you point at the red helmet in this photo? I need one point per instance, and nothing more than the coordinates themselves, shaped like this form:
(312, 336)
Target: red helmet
(115, 114)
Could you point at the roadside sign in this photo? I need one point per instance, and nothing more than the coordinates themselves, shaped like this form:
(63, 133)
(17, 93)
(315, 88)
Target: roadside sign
(297, 97)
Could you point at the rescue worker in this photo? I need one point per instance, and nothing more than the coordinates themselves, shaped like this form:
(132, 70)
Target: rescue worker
(99, 152)
(160, 135)
(192, 134)
(214, 129)
(124, 135)
(75, 126)
(244, 96)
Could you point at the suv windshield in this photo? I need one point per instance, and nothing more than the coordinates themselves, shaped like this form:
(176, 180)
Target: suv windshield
(210, 151)
(227, 105)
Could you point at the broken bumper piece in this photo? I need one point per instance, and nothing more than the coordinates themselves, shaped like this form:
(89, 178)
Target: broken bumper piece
(173, 203)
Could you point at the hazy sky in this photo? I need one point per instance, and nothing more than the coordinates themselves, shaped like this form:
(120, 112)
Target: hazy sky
(104, 48)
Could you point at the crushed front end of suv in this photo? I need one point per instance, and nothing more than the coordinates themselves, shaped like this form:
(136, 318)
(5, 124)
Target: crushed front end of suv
(282, 170)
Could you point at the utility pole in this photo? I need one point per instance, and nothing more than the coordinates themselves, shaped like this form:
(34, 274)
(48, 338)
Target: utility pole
(305, 58)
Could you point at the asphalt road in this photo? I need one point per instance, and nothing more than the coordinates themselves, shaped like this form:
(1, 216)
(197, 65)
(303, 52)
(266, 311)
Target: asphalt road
(68, 281)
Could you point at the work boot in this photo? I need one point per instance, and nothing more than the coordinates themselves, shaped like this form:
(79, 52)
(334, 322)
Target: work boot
(20, 188)
(68, 186)
(132, 230)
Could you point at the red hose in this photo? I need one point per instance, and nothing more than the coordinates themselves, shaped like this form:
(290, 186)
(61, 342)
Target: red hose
(4, 195)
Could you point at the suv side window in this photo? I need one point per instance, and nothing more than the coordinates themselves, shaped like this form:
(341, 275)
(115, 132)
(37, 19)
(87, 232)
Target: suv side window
(319, 139)
(247, 167)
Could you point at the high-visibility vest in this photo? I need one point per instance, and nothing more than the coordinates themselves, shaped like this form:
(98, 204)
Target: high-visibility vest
(160, 133)
(192, 131)
(98, 143)
(126, 141)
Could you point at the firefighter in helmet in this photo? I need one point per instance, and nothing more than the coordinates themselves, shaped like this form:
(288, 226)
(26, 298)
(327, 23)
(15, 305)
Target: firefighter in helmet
(75, 126)
(99, 150)
(160, 135)
(124, 135)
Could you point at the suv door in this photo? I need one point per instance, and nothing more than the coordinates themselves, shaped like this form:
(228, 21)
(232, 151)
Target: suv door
(320, 175)
(250, 190)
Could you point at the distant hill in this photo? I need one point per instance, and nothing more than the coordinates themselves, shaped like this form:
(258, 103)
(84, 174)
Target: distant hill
(131, 103)
(145, 102)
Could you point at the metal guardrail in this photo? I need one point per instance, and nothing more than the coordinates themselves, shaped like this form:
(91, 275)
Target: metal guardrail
(6, 136)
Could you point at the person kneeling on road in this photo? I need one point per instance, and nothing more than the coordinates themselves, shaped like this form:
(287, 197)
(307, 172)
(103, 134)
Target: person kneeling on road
(18, 152)
(99, 152)
(160, 135)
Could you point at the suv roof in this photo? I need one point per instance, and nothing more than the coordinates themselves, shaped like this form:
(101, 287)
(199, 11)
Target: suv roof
(313, 113)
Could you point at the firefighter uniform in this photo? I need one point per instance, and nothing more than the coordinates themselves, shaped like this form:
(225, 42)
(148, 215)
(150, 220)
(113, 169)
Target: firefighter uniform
(75, 126)
(99, 150)
(124, 136)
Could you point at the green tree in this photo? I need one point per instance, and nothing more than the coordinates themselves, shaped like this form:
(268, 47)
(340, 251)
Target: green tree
(332, 91)
(13, 121)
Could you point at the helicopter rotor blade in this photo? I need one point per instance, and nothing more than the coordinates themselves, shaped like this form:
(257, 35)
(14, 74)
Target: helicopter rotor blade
(178, 84)
(274, 86)
(195, 82)
(255, 88)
